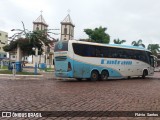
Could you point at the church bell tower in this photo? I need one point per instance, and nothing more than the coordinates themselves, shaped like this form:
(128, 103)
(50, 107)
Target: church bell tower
(40, 24)
(67, 29)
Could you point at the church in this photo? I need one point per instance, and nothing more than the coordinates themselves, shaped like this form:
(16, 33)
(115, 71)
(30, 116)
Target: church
(67, 27)
(67, 33)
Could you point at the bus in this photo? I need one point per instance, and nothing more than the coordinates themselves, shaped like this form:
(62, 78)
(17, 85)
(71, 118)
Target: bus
(97, 61)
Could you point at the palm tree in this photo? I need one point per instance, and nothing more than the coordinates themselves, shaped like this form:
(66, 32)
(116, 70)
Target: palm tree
(138, 43)
(154, 48)
(118, 41)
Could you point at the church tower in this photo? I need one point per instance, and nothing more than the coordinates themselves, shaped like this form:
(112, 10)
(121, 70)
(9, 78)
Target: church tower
(67, 29)
(40, 24)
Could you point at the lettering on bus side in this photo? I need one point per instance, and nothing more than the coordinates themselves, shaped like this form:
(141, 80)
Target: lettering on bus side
(116, 62)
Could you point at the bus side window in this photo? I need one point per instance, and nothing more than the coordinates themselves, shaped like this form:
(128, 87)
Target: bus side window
(105, 52)
(91, 51)
(99, 52)
(114, 53)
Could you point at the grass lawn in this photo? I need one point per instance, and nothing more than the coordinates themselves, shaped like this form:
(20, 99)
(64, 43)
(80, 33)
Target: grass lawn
(4, 67)
(18, 73)
(47, 69)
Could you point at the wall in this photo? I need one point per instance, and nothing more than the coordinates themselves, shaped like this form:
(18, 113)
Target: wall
(3, 39)
(69, 34)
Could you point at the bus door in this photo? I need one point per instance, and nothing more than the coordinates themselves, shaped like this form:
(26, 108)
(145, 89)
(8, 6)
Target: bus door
(81, 70)
(78, 69)
(60, 54)
(61, 63)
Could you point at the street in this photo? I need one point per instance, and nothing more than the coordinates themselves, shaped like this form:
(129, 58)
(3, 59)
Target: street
(70, 95)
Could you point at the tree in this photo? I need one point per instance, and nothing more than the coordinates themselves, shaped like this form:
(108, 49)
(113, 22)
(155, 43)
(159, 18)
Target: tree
(138, 43)
(30, 40)
(118, 41)
(98, 35)
(154, 48)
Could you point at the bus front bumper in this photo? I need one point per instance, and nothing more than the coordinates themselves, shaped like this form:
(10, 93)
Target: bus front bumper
(64, 74)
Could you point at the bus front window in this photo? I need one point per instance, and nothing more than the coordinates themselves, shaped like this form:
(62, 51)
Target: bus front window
(61, 46)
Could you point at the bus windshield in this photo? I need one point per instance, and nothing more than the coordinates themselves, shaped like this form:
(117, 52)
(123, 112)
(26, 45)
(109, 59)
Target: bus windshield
(61, 46)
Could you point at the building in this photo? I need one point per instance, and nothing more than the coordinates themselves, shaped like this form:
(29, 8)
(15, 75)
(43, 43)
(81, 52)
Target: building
(47, 57)
(67, 28)
(3, 42)
(40, 24)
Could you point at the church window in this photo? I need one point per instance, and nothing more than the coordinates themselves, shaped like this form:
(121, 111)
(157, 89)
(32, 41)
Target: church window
(65, 30)
(37, 28)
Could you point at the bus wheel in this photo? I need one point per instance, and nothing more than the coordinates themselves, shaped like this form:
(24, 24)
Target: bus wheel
(94, 75)
(145, 73)
(104, 75)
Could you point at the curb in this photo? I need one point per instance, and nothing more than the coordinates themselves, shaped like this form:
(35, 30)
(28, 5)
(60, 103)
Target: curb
(21, 77)
(18, 78)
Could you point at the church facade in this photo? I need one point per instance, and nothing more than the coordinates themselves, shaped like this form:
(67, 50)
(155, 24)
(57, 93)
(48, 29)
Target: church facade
(67, 33)
(47, 56)
(67, 29)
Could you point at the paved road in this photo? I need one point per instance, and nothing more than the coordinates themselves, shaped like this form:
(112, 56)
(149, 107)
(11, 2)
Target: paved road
(70, 95)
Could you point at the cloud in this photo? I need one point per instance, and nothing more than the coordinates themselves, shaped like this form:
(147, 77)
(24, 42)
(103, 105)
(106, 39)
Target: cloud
(125, 19)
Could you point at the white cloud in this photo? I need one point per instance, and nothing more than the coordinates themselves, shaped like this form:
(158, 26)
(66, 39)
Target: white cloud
(125, 19)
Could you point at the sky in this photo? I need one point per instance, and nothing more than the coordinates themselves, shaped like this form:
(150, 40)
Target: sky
(128, 20)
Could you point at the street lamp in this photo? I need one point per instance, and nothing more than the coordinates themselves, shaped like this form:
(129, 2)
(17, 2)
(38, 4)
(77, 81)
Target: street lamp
(36, 56)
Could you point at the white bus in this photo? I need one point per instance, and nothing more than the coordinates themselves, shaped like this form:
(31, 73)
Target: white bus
(95, 61)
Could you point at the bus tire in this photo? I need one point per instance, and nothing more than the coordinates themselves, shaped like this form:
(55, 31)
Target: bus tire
(104, 75)
(94, 75)
(145, 73)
